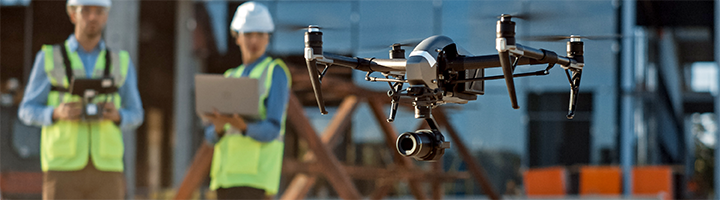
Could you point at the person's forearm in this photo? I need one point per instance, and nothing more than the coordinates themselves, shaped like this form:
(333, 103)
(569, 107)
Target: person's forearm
(34, 110)
(269, 129)
(263, 131)
(130, 118)
(131, 113)
(36, 115)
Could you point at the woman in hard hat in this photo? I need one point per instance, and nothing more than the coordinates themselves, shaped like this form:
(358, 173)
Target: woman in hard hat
(248, 155)
(82, 158)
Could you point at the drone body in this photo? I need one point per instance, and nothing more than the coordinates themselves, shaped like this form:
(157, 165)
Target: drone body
(438, 72)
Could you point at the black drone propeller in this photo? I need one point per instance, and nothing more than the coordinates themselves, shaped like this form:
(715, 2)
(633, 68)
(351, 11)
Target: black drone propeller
(525, 16)
(304, 27)
(550, 38)
(385, 46)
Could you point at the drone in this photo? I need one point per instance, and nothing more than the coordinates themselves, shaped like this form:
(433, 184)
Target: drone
(438, 72)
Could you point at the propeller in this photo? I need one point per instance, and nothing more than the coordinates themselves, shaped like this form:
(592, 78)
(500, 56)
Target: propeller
(385, 47)
(407, 43)
(303, 27)
(517, 15)
(525, 16)
(550, 38)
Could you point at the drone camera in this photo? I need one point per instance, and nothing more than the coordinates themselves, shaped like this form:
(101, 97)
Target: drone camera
(423, 145)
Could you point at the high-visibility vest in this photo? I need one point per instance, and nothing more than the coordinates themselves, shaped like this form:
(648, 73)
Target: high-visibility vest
(239, 160)
(66, 145)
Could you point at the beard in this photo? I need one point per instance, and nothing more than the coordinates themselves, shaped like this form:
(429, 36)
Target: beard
(92, 30)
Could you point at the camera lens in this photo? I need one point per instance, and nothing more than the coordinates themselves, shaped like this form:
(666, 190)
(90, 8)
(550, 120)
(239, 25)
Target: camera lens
(421, 145)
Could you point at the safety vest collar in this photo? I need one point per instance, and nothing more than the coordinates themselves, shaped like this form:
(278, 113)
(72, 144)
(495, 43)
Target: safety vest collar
(78, 66)
(237, 73)
(55, 66)
(74, 45)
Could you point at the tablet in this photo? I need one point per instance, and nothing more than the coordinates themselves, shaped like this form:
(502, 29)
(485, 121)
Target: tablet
(95, 86)
(227, 95)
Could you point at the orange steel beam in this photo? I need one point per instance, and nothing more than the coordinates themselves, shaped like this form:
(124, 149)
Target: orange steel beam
(473, 166)
(334, 172)
(301, 184)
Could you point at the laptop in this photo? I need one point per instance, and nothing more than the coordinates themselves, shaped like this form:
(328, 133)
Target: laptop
(227, 95)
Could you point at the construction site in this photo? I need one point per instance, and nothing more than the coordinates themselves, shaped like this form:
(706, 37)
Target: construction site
(643, 125)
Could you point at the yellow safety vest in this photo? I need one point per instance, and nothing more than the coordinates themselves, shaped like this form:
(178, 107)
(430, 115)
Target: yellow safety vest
(67, 145)
(239, 160)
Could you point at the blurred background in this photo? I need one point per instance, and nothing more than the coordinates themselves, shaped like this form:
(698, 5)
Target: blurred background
(645, 126)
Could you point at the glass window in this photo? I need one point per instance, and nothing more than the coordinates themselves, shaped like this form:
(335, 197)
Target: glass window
(14, 2)
(704, 77)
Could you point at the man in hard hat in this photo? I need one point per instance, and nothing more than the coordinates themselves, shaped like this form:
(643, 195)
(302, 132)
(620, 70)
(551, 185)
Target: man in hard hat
(82, 158)
(248, 155)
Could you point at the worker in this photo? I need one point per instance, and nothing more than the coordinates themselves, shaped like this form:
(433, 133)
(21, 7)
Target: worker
(82, 158)
(248, 154)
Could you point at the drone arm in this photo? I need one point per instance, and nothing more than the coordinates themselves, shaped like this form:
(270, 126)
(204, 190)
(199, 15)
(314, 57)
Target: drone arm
(366, 64)
(530, 57)
(550, 57)
(483, 62)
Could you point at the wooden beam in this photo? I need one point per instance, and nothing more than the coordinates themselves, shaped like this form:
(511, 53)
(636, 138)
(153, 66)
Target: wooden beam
(299, 186)
(423, 125)
(382, 189)
(154, 122)
(340, 122)
(198, 171)
(390, 136)
(436, 185)
(374, 173)
(335, 174)
(473, 166)
(301, 183)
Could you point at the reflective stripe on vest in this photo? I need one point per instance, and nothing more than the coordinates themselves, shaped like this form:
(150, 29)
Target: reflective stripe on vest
(65, 145)
(239, 160)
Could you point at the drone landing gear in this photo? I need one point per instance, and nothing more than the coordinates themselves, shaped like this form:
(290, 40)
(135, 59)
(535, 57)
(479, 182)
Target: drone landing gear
(574, 90)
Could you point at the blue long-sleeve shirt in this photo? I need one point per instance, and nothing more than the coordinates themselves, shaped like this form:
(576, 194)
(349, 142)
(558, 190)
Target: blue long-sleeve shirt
(35, 111)
(268, 129)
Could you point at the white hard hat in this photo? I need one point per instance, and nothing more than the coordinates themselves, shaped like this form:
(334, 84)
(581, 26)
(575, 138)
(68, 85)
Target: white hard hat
(103, 3)
(252, 17)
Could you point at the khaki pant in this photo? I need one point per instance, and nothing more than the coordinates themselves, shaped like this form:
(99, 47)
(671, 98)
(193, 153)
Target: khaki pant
(87, 183)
